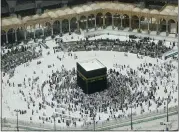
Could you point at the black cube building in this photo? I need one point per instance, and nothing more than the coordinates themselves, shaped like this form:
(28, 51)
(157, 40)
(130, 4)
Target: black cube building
(91, 76)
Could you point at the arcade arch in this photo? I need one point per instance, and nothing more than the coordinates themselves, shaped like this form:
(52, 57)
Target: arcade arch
(38, 31)
(91, 21)
(82, 22)
(99, 20)
(143, 23)
(47, 29)
(29, 32)
(73, 24)
(20, 34)
(108, 19)
(172, 26)
(135, 22)
(11, 36)
(56, 27)
(125, 21)
(117, 21)
(65, 26)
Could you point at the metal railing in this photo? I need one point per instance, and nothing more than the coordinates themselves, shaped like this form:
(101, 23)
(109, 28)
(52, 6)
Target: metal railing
(30, 125)
(124, 33)
(116, 122)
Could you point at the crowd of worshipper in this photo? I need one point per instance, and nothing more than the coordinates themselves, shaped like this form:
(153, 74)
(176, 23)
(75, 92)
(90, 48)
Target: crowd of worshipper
(13, 51)
(125, 86)
(17, 56)
(140, 87)
(144, 46)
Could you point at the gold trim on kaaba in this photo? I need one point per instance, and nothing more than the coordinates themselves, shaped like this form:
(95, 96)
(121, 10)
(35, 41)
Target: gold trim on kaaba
(92, 79)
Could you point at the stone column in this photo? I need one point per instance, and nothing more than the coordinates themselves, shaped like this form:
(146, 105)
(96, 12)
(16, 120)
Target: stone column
(95, 22)
(139, 23)
(130, 20)
(69, 26)
(25, 34)
(113, 22)
(15, 35)
(86, 23)
(43, 31)
(167, 28)
(148, 26)
(157, 28)
(7, 37)
(34, 32)
(61, 27)
(103, 21)
(78, 25)
(121, 22)
(52, 30)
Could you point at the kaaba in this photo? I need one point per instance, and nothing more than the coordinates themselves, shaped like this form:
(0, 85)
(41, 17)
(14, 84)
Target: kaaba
(91, 76)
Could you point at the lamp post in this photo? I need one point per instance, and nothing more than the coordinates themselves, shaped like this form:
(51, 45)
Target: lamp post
(167, 114)
(17, 119)
(94, 115)
(131, 106)
(167, 123)
(53, 116)
(94, 122)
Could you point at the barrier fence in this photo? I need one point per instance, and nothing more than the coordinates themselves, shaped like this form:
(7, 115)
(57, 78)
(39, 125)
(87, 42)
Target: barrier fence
(154, 114)
(106, 125)
(119, 33)
(124, 33)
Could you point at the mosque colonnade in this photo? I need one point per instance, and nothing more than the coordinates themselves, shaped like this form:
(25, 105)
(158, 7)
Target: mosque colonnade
(96, 20)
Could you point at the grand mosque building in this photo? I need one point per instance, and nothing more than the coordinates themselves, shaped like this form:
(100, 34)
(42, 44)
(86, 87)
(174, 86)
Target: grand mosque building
(89, 16)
